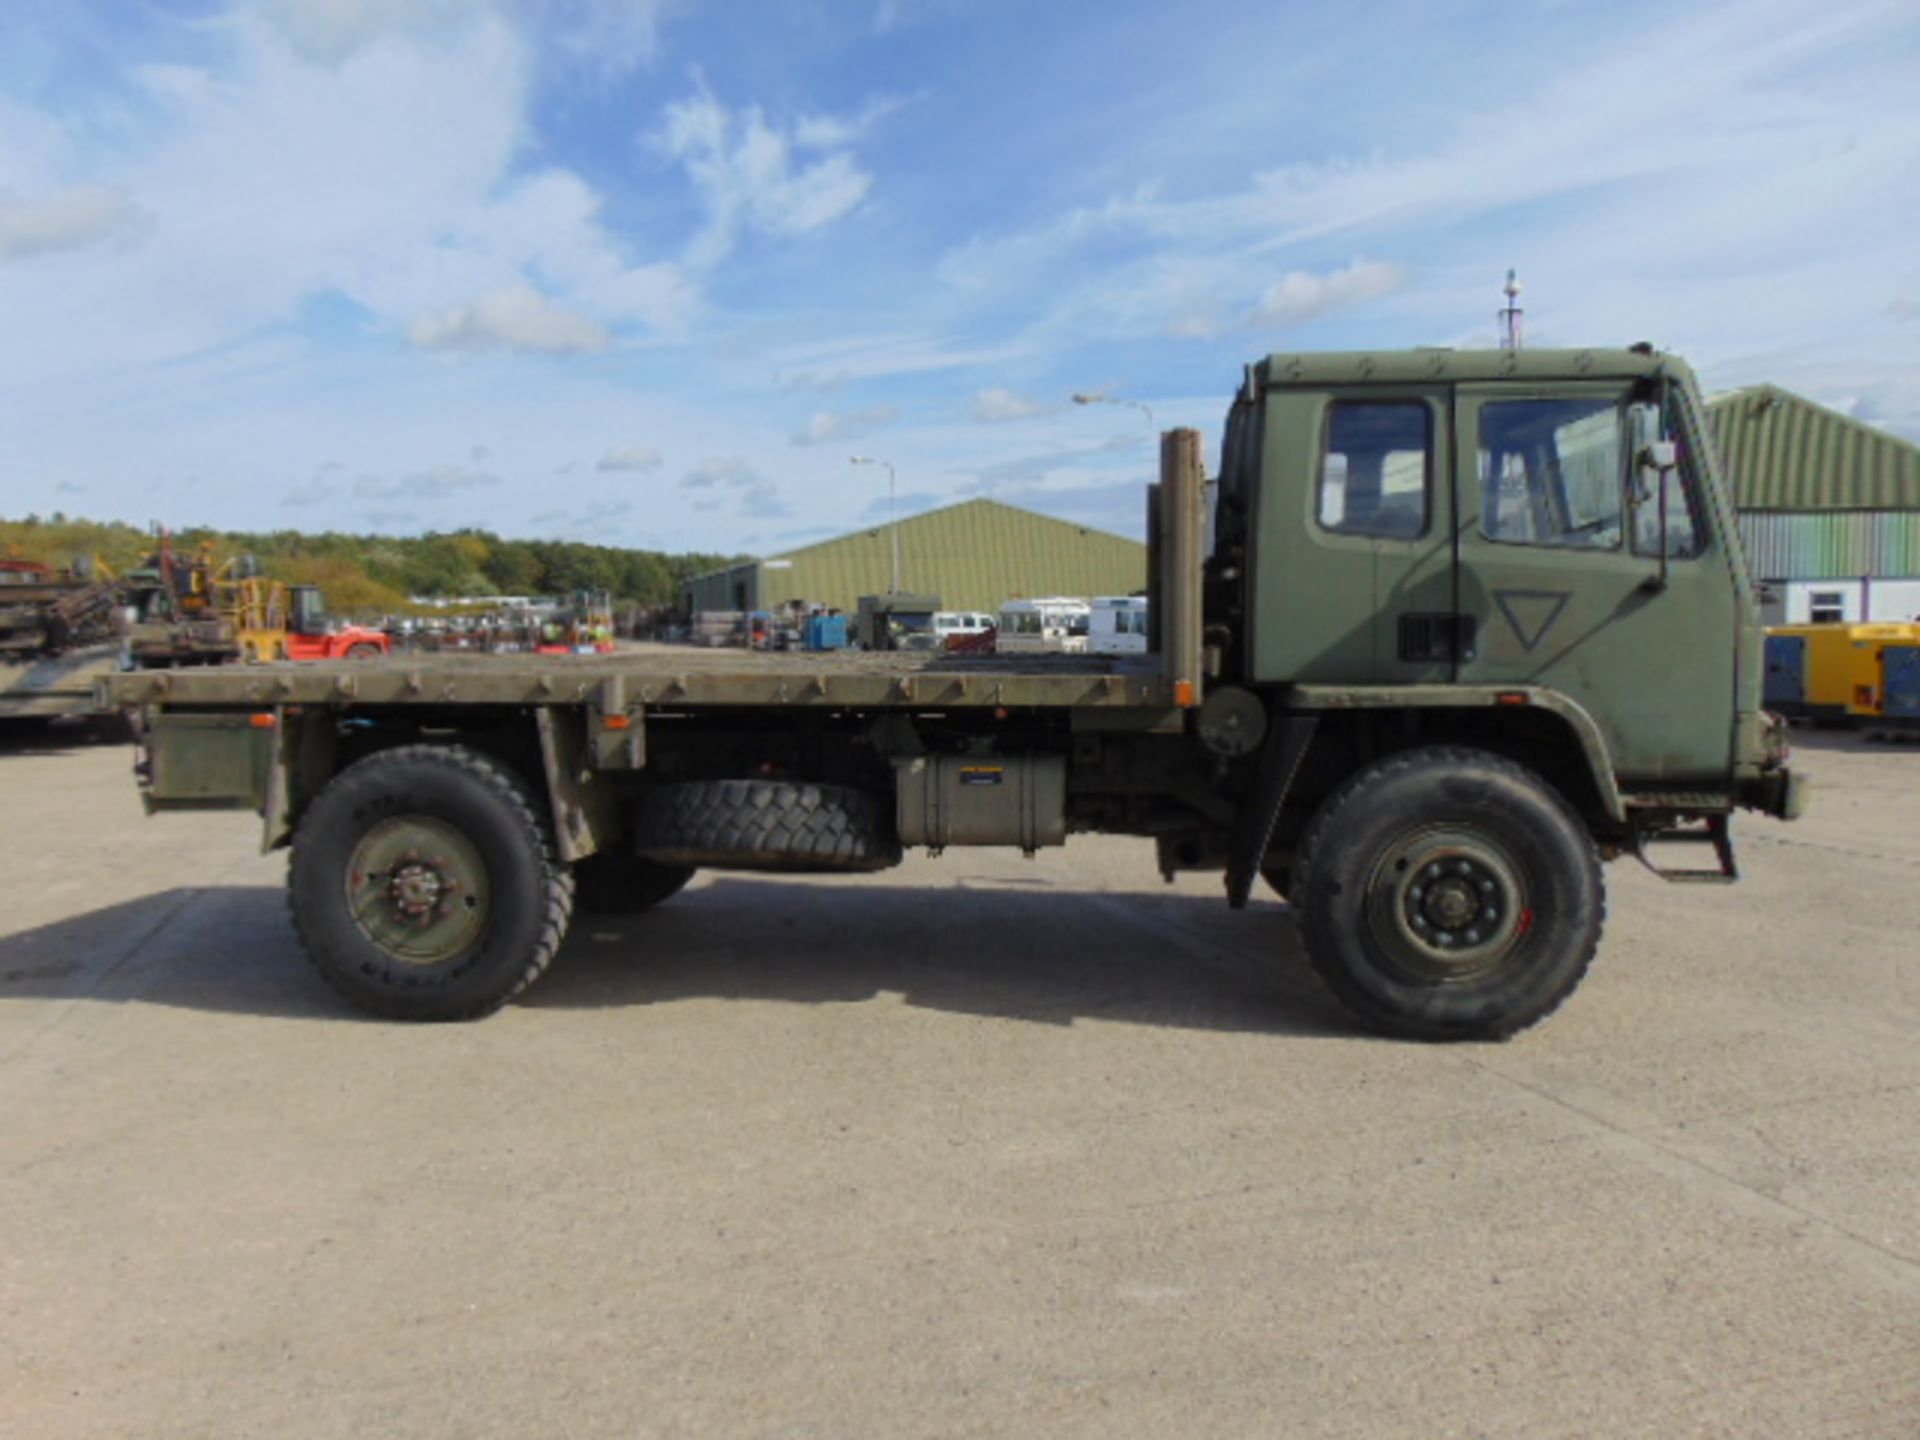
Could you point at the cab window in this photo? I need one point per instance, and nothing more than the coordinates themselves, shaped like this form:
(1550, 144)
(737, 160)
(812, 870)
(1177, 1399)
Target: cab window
(1552, 472)
(1376, 471)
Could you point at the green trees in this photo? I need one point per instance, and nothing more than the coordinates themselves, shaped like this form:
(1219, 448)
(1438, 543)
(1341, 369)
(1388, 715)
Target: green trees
(374, 574)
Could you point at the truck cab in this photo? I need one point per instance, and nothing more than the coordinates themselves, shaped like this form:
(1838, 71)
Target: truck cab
(1551, 526)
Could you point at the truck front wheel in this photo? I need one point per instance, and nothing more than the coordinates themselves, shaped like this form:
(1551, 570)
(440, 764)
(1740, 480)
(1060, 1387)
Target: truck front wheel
(1448, 894)
(425, 886)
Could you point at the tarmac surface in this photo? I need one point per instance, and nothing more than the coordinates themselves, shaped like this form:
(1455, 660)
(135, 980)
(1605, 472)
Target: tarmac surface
(981, 1146)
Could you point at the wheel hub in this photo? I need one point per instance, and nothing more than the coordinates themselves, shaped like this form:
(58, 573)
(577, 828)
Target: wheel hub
(1447, 905)
(1454, 902)
(418, 889)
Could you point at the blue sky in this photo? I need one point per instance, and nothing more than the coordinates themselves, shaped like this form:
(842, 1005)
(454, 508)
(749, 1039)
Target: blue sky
(647, 273)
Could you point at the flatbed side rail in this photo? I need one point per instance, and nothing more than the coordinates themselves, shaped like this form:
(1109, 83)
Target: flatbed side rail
(346, 685)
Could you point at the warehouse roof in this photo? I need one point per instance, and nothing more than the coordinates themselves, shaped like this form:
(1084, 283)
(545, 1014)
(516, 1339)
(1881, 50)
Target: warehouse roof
(1784, 452)
(985, 522)
(973, 555)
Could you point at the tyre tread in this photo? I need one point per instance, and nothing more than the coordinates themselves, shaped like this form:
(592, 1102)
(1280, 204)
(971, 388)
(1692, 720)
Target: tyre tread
(557, 888)
(1327, 823)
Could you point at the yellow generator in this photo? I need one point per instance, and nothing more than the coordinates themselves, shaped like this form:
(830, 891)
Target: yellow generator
(1831, 672)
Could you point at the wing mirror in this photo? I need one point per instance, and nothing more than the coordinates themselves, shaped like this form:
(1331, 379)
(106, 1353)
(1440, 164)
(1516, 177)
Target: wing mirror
(1658, 459)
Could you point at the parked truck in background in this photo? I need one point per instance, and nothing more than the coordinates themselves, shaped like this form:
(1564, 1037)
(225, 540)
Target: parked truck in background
(1466, 626)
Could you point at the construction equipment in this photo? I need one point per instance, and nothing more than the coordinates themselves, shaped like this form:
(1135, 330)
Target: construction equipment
(60, 631)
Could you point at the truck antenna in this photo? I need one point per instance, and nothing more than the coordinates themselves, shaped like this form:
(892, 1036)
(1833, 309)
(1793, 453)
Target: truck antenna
(1512, 315)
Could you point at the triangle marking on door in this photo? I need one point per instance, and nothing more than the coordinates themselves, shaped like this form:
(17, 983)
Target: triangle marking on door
(1531, 613)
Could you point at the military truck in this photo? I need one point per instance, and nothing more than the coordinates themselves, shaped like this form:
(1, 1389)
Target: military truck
(896, 620)
(1466, 626)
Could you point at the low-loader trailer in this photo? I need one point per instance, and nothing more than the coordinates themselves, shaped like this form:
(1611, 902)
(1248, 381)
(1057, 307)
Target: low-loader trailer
(1465, 626)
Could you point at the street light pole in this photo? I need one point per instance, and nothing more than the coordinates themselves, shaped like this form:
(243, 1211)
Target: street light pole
(893, 512)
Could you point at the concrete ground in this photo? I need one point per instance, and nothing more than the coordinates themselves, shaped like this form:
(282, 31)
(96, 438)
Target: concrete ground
(978, 1147)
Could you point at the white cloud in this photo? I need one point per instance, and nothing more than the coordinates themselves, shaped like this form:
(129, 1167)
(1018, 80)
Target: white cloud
(1300, 295)
(330, 31)
(754, 495)
(275, 182)
(995, 405)
(745, 171)
(610, 36)
(630, 458)
(824, 426)
(718, 470)
(68, 219)
(435, 483)
(829, 365)
(513, 317)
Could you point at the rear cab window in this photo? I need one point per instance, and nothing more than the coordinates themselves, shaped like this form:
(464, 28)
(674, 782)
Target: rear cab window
(1376, 469)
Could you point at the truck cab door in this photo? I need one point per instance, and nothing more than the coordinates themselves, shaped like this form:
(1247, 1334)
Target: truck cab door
(1353, 580)
(1560, 569)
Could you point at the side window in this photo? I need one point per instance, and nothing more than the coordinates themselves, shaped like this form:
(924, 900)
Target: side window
(1376, 474)
(1684, 532)
(1551, 472)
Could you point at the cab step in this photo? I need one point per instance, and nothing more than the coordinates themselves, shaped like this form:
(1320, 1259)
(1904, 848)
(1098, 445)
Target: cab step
(1714, 829)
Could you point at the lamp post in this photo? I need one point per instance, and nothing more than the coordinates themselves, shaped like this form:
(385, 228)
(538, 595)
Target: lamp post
(893, 513)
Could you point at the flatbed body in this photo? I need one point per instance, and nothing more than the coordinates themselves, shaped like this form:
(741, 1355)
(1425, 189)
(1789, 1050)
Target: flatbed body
(677, 677)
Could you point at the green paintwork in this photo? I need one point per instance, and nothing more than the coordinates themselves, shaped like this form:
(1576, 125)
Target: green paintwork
(1663, 672)
(1650, 675)
(418, 888)
(52, 685)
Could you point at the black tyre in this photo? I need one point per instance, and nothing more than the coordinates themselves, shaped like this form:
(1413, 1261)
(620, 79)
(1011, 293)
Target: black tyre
(624, 884)
(766, 825)
(1448, 894)
(365, 650)
(424, 884)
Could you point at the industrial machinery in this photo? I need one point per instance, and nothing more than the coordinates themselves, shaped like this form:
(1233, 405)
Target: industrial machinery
(59, 632)
(1463, 626)
(1833, 674)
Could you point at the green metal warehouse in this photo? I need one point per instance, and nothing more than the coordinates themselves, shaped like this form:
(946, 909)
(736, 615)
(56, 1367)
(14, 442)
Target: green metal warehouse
(973, 556)
(1829, 507)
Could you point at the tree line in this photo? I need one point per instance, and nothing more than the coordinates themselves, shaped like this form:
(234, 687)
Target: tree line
(376, 574)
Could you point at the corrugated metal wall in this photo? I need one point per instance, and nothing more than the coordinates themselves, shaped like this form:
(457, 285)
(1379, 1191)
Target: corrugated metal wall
(1784, 452)
(972, 555)
(1833, 545)
(720, 589)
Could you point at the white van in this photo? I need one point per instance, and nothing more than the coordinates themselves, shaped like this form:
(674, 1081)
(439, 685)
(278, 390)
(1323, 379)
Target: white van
(1057, 624)
(1118, 625)
(952, 624)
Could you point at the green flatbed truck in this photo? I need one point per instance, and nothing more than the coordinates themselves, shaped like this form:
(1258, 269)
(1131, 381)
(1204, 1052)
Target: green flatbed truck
(1464, 626)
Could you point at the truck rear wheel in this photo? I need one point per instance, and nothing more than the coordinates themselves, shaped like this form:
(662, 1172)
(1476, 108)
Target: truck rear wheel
(1448, 894)
(424, 884)
(766, 825)
(621, 884)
